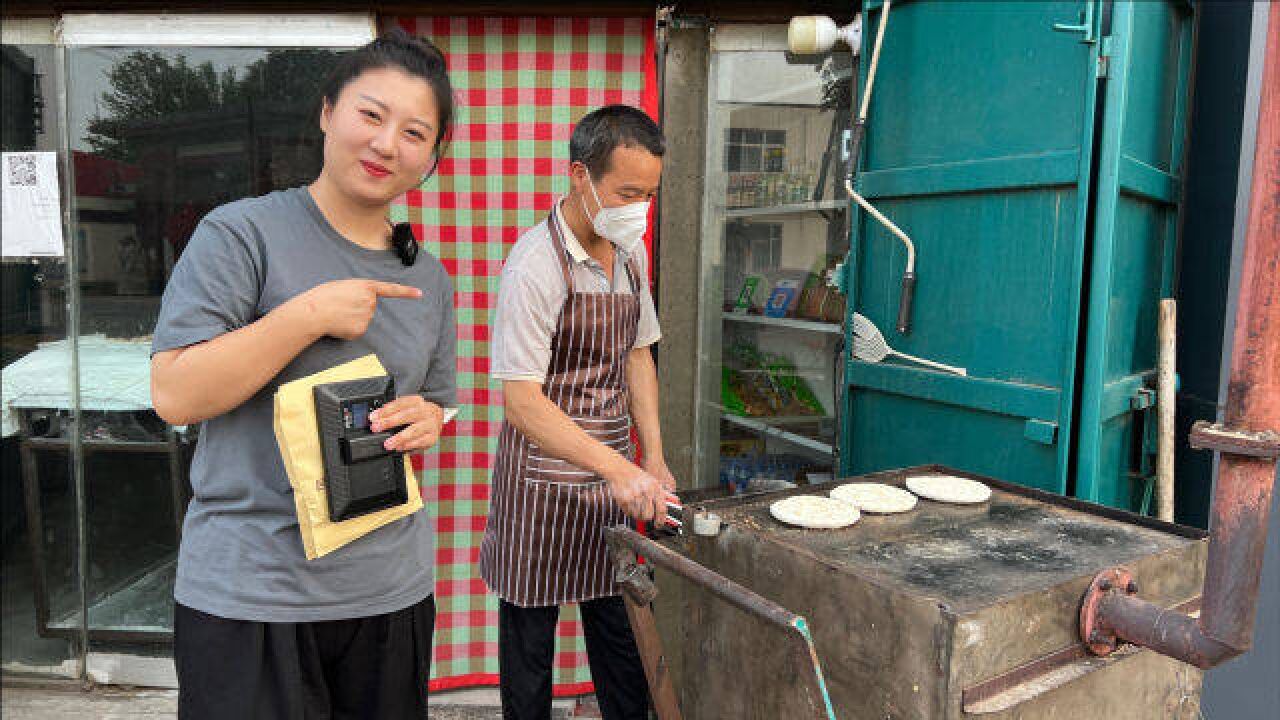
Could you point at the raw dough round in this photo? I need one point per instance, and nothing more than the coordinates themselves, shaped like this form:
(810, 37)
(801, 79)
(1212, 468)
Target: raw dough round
(875, 497)
(814, 511)
(949, 489)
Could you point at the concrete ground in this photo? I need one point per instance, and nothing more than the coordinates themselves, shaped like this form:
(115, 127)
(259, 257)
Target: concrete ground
(42, 700)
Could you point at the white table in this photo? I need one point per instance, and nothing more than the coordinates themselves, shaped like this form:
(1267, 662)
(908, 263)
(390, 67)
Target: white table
(115, 375)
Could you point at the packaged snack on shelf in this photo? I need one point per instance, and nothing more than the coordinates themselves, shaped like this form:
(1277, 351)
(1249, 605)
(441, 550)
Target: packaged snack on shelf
(782, 298)
(800, 398)
(833, 306)
(759, 385)
(821, 302)
(743, 445)
(730, 398)
(789, 280)
(751, 384)
(811, 294)
(746, 296)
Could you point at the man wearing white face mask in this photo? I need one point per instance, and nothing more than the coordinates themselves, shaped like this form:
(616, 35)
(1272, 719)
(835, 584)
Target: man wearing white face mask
(571, 339)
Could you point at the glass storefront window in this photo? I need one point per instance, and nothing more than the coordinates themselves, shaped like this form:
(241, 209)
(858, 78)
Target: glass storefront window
(41, 579)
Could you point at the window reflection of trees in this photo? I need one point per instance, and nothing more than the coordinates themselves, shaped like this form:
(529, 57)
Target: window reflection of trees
(150, 87)
(171, 135)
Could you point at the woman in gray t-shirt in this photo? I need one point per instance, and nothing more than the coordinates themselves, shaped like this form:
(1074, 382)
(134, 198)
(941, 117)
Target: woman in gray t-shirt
(279, 287)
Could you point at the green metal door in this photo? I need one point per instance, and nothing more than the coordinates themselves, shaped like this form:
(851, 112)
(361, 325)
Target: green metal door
(981, 145)
(1134, 246)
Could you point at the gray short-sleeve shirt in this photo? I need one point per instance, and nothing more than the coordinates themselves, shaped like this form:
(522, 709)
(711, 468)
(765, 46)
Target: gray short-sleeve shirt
(241, 555)
(532, 291)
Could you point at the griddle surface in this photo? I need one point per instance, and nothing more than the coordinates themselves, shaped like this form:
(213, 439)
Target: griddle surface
(965, 556)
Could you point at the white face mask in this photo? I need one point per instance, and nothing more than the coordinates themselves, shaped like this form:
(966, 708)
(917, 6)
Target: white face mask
(623, 226)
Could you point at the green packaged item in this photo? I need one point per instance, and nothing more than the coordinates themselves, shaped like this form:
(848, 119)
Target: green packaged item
(785, 376)
(746, 294)
(729, 397)
(759, 385)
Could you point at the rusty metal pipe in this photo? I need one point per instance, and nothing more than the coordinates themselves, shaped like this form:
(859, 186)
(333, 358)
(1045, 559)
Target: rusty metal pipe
(1238, 538)
(720, 586)
(1165, 631)
(796, 627)
(1247, 438)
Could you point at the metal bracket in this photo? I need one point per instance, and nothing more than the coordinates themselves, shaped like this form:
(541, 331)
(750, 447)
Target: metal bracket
(1041, 431)
(1099, 639)
(1143, 399)
(1223, 439)
(1084, 27)
(636, 581)
(623, 541)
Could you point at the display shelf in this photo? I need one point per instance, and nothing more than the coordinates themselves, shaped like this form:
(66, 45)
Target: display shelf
(768, 427)
(788, 209)
(794, 324)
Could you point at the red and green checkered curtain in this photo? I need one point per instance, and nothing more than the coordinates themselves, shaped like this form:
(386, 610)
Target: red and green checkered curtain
(521, 84)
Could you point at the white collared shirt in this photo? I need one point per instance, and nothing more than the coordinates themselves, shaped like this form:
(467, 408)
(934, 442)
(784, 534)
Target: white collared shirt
(532, 292)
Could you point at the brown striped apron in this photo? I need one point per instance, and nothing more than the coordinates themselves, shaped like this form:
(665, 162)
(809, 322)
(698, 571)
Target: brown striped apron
(544, 542)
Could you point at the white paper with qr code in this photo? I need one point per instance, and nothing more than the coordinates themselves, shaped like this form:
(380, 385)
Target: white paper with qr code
(32, 225)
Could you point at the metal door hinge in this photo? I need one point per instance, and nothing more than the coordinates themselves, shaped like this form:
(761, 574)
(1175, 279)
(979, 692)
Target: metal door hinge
(1143, 399)
(1104, 56)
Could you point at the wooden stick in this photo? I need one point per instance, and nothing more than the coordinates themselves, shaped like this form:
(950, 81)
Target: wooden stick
(1166, 400)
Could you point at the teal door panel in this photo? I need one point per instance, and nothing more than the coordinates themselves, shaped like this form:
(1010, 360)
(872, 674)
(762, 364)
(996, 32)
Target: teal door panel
(905, 424)
(961, 81)
(1043, 204)
(983, 302)
(979, 145)
(1134, 246)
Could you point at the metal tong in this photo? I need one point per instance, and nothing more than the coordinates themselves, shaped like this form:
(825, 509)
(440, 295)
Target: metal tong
(671, 524)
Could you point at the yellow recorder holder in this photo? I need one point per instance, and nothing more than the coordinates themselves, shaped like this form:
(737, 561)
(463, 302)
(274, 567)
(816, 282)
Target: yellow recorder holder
(345, 485)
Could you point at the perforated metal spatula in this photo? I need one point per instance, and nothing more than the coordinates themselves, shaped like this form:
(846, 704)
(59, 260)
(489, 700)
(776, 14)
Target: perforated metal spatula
(869, 345)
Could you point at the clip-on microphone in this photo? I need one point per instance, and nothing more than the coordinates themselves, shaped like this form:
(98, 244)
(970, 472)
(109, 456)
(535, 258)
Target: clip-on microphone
(404, 243)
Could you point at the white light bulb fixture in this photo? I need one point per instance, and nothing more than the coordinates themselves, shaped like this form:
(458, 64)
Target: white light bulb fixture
(813, 34)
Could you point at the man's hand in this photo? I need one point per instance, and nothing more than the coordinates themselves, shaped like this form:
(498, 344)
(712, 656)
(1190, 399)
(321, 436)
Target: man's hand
(640, 495)
(657, 467)
(424, 420)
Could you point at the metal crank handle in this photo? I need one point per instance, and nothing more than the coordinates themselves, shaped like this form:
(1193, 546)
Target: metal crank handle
(905, 299)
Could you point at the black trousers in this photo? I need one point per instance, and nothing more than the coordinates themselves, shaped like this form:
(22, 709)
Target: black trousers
(370, 667)
(526, 649)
